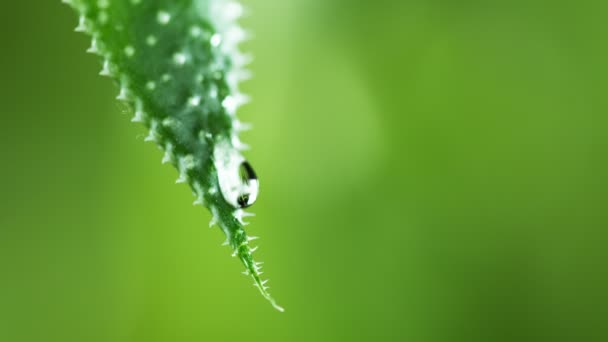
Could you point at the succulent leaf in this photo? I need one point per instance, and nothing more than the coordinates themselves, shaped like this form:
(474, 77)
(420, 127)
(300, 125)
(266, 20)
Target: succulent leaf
(178, 67)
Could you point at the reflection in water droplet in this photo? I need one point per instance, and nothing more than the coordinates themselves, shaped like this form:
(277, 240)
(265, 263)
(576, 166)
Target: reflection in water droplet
(238, 182)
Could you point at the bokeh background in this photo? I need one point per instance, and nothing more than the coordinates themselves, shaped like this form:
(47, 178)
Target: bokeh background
(431, 171)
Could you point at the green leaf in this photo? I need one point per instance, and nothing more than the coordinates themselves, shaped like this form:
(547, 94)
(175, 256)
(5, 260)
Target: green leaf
(178, 67)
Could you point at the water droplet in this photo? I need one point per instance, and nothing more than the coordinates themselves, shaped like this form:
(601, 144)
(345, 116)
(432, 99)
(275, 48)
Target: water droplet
(238, 181)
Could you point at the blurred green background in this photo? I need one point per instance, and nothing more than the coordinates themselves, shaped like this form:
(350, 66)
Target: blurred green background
(431, 171)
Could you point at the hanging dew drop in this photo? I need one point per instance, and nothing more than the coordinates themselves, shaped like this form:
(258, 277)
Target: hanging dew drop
(251, 185)
(238, 181)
